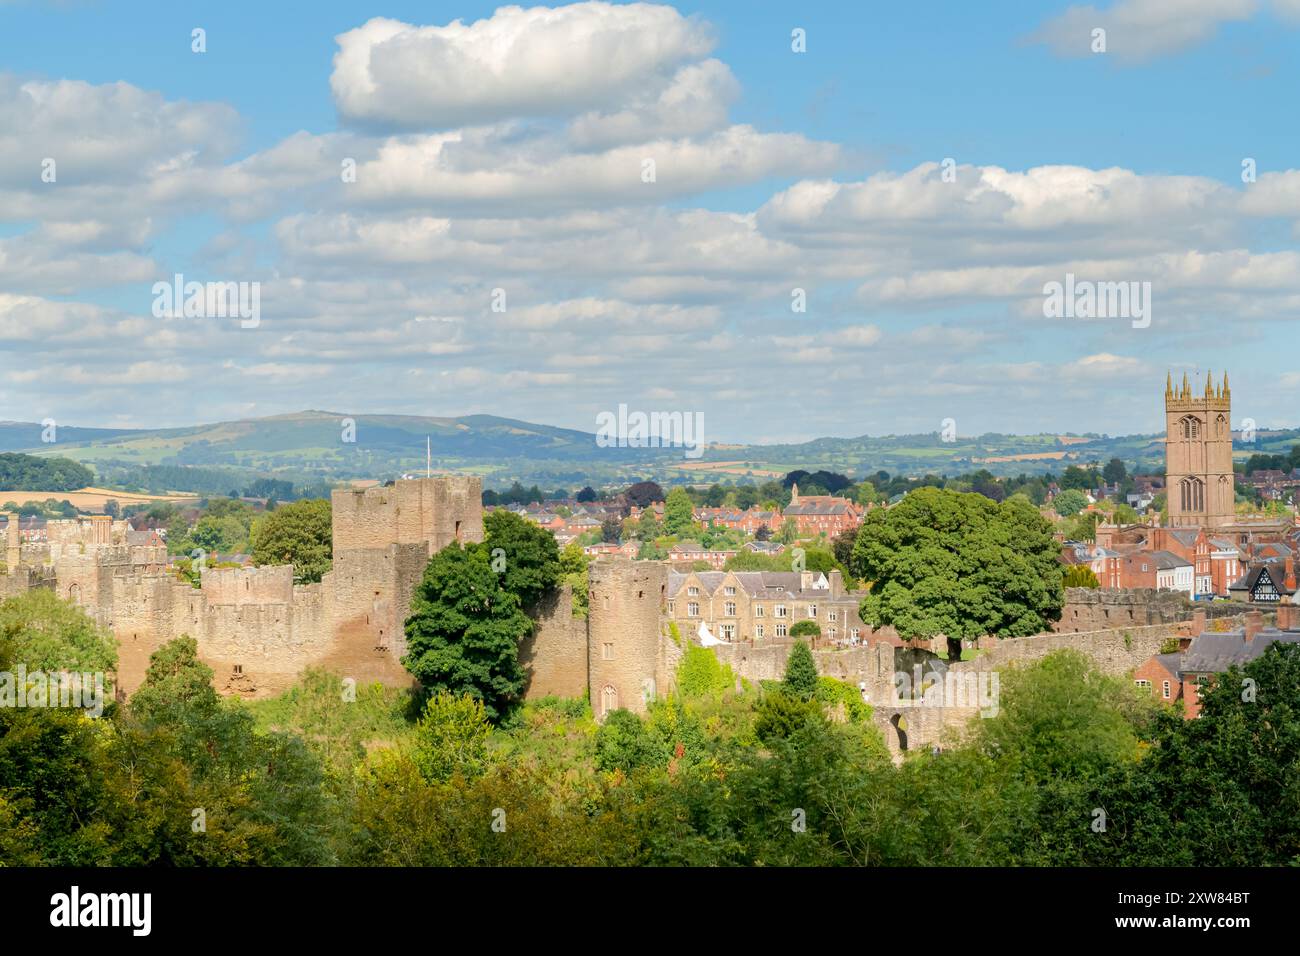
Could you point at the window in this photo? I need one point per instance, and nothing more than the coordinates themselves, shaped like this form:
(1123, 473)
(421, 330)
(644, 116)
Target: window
(693, 609)
(834, 615)
(780, 630)
(758, 630)
(853, 634)
(609, 699)
(812, 610)
(671, 605)
(1192, 492)
(607, 652)
(729, 590)
(239, 668)
(1144, 684)
(758, 610)
(1191, 426)
(1165, 688)
(693, 591)
(729, 609)
(780, 610)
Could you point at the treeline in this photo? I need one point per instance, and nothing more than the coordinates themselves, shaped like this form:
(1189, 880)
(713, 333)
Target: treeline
(1286, 461)
(19, 472)
(228, 482)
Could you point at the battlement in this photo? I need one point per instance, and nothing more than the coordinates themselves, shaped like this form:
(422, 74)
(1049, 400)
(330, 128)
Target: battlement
(240, 586)
(432, 512)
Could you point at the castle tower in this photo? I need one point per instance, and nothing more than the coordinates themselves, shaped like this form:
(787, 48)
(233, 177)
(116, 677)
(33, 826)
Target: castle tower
(626, 604)
(1198, 454)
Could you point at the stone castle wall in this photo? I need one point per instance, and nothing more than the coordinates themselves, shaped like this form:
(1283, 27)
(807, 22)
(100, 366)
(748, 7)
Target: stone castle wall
(1092, 609)
(555, 654)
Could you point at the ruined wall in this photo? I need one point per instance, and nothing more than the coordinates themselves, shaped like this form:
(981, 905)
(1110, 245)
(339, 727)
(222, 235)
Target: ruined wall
(1092, 609)
(555, 655)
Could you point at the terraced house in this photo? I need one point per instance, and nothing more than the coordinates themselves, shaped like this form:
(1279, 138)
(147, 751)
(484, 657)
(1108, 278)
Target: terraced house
(762, 606)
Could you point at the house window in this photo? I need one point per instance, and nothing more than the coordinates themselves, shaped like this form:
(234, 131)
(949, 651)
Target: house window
(780, 610)
(758, 610)
(607, 652)
(1144, 684)
(781, 630)
(853, 634)
(693, 609)
(671, 605)
(758, 630)
(1165, 688)
(834, 615)
(693, 591)
(812, 610)
(729, 590)
(729, 609)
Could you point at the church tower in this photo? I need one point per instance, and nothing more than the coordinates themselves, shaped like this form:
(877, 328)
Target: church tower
(1198, 454)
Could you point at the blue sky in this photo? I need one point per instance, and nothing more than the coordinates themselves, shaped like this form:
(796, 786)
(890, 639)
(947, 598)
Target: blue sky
(779, 170)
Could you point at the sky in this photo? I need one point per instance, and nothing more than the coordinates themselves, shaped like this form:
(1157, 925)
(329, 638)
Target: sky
(851, 217)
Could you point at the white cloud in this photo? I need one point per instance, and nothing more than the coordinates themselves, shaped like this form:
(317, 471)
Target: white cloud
(517, 63)
(1138, 30)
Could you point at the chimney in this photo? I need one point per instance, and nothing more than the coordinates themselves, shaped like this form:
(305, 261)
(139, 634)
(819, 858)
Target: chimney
(1198, 621)
(1287, 618)
(836, 579)
(1254, 624)
(1290, 572)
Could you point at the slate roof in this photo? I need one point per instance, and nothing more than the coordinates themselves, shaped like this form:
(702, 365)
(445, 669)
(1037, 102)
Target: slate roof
(1167, 560)
(1212, 653)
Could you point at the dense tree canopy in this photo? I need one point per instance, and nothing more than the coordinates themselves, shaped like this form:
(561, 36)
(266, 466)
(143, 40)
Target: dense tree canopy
(300, 534)
(20, 472)
(959, 565)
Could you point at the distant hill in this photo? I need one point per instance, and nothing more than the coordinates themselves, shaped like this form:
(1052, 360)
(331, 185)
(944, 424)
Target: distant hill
(308, 449)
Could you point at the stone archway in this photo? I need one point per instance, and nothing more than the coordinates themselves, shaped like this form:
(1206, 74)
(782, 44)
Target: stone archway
(899, 723)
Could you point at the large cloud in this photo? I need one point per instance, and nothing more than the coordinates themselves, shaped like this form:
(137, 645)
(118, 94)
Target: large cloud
(517, 63)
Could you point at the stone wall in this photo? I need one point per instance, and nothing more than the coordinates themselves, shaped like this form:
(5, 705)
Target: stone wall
(627, 603)
(555, 655)
(1092, 609)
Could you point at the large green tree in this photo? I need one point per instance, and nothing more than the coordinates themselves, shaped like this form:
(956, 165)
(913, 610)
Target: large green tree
(464, 630)
(300, 534)
(48, 634)
(525, 554)
(679, 513)
(959, 565)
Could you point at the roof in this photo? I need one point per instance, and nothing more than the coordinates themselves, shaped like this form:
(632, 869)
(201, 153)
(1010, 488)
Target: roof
(1212, 653)
(1276, 575)
(1168, 561)
(757, 584)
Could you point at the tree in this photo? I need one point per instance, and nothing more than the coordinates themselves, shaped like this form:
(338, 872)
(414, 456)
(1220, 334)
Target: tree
(573, 569)
(701, 674)
(586, 494)
(959, 565)
(1069, 503)
(647, 529)
(451, 738)
(806, 628)
(679, 513)
(1114, 473)
(47, 634)
(800, 679)
(301, 534)
(1080, 576)
(789, 533)
(464, 630)
(1080, 479)
(644, 493)
(611, 529)
(529, 552)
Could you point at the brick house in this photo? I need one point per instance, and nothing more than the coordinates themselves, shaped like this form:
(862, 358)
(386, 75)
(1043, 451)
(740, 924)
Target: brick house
(817, 514)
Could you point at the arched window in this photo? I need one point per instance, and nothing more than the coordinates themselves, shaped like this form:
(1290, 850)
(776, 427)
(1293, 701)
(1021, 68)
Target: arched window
(1192, 493)
(1191, 427)
(608, 699)
(1220, 427)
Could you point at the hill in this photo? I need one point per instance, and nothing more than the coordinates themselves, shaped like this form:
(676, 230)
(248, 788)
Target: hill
(309, 449)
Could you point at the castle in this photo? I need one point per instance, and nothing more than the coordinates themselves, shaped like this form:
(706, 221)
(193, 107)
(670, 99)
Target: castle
(254, 626)
(1198, 455)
